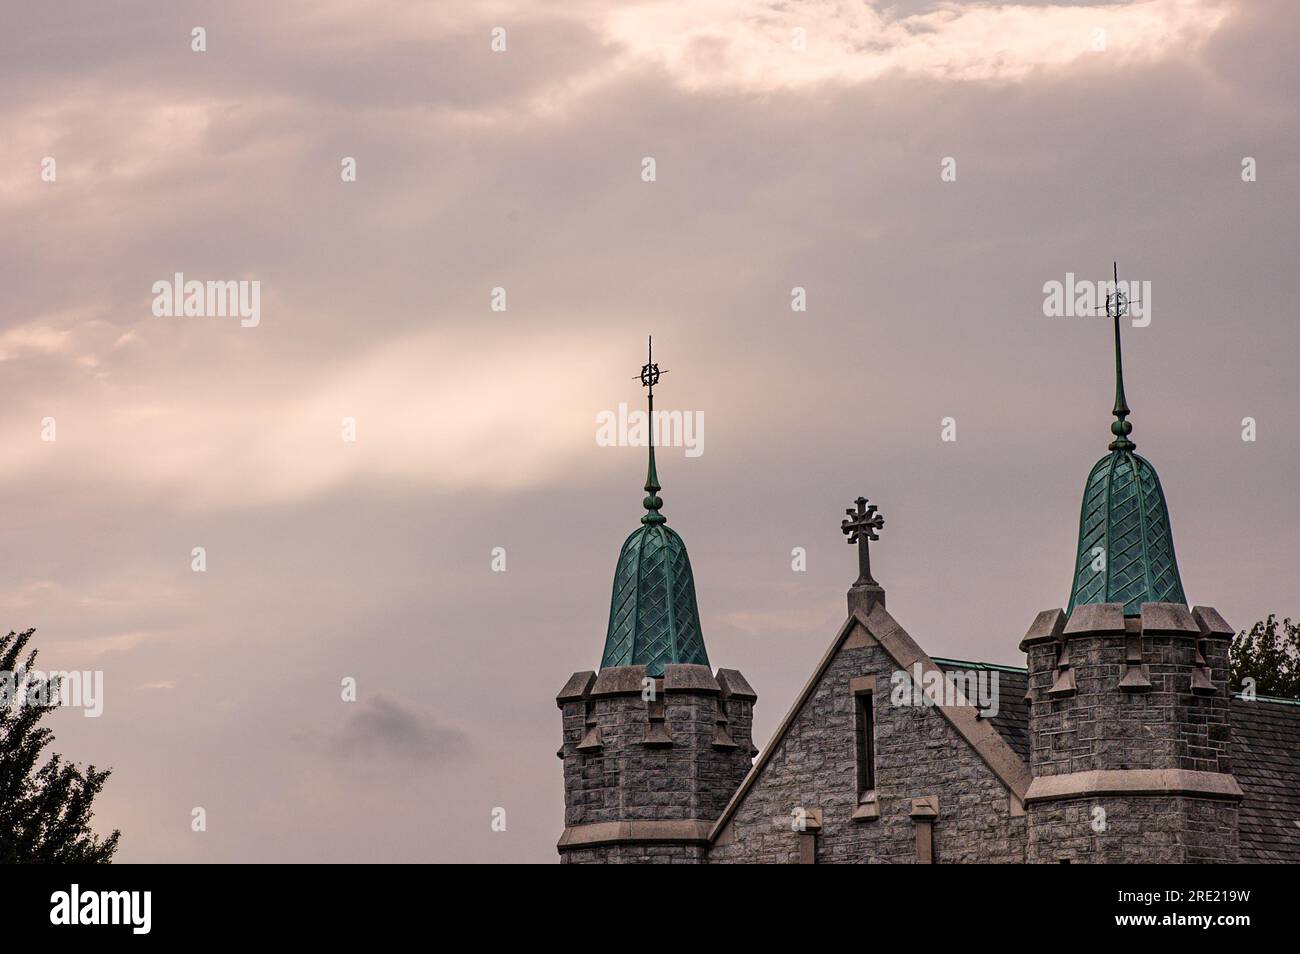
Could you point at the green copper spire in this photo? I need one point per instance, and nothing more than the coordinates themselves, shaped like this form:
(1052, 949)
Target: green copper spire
(1126, 544)
(653, 617)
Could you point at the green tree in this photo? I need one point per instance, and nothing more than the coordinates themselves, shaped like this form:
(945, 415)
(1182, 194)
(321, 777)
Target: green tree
(45, 811)
(1269, 653)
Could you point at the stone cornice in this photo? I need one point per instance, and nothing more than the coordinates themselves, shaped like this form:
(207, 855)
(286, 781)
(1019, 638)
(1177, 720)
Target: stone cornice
(620, 681)
(675, 831)
(577, 688)
(1048, 788)
(1211, 623)
(1046, 628)
(685, 677)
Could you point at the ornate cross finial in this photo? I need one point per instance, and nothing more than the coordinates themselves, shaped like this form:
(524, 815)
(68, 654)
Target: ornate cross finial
(1117, 300)
(649, 378)
(861, 527)
(650, 371)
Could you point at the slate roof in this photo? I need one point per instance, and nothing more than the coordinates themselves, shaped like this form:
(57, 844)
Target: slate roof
(1265, 760)
(1012, 720)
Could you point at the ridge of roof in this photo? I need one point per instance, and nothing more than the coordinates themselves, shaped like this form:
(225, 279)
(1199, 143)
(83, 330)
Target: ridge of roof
(1280, 700)
(943, 662)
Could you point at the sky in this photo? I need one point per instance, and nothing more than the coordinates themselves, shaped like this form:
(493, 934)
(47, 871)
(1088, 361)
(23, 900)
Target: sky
(920, 170)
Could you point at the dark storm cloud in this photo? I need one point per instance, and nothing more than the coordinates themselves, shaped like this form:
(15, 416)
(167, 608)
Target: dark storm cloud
(385, 726)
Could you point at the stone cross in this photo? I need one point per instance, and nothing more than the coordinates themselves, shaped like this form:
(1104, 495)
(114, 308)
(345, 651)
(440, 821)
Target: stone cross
(861, 527)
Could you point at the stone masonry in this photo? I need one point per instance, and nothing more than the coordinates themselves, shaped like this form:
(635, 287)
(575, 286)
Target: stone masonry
(649, 764)
(1116, 745)
(923, 766)
(1130, 732)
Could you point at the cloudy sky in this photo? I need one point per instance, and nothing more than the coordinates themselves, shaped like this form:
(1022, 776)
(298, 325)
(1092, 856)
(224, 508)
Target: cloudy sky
(775, 166)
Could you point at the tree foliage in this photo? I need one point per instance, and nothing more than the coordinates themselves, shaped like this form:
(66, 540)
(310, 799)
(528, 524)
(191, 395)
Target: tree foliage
(1268, 653)
(45, 809)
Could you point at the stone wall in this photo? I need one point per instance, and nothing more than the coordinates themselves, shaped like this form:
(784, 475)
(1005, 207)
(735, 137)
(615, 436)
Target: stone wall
(1170, 829)
(1136, 711)
(919, 754)
(1129, 734)
(1099, 726)
(676, 757)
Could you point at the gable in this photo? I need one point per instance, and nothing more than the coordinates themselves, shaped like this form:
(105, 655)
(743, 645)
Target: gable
(810, 764)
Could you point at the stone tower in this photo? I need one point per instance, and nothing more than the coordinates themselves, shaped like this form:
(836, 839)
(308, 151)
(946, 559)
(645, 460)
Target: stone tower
(1129, 720)
(655, 744)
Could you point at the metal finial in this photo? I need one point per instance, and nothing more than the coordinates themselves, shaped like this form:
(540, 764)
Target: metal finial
(861, 527)
(649, 378)
(1116, 306)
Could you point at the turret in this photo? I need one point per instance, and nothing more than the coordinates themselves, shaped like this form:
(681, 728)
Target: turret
(656, 743)
(1130, 709)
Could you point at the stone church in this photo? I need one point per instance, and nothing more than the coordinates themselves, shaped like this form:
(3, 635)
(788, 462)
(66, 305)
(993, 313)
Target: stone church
(1120, 740)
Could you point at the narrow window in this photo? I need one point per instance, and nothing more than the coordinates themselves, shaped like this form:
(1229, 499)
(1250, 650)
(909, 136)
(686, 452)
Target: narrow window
(866, 744)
